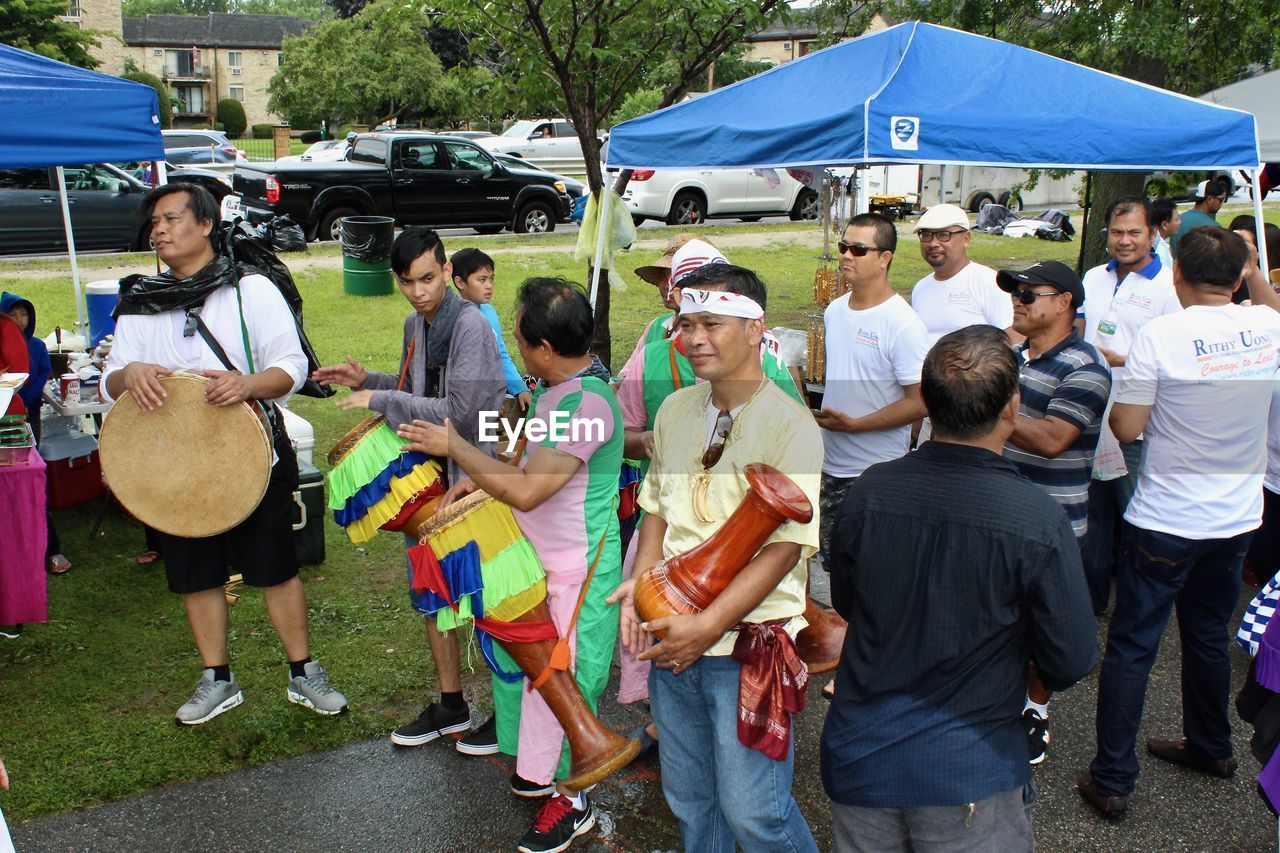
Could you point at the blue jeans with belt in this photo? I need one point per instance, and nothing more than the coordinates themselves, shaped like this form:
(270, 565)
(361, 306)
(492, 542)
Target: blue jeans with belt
(719, 790)
(1160, 571)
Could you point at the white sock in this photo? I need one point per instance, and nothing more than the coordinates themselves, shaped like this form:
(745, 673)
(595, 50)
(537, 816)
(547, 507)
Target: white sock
(1040, 708)
(578, 803)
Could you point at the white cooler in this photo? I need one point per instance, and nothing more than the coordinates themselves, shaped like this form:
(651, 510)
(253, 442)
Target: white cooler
(301, 434)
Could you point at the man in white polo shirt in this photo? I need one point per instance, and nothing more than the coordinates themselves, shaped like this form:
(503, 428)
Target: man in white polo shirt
(959, 292)
(1120, 297)
(875, 349)
(1197, 383)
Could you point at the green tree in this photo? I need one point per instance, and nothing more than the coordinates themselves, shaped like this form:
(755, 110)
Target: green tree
(33, 25)
(363, 69)
(585, 59)
(162, 94)
(1187, 46)
(230, 114)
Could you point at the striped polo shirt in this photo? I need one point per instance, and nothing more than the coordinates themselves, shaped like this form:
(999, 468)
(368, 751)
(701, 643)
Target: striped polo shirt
(1071, 382)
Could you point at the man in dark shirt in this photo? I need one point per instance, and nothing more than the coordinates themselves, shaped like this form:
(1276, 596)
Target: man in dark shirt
(953, 571)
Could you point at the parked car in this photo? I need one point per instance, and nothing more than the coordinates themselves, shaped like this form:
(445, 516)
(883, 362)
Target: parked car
(551, 143)
(324, 151)
(217, 183)
(103, 201)
(185, 147)
(415, 178)
(469, 134)
(572, 187)
(691, 196)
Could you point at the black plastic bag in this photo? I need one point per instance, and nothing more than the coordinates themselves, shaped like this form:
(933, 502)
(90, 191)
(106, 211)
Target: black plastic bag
(367, 238)
(282, 234)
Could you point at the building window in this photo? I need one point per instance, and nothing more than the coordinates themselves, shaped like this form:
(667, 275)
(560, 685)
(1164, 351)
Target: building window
(181, 63)
(280, 59)
(806, 47)
(236, 93)
(235, 59)
(73, 9)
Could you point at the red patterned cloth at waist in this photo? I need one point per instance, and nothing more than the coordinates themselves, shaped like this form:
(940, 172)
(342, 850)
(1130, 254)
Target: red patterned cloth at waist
(771, 686)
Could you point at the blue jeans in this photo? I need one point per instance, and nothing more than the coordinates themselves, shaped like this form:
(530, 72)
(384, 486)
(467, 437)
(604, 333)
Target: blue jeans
(719, 790)
(1159, 571)
(1108, 499)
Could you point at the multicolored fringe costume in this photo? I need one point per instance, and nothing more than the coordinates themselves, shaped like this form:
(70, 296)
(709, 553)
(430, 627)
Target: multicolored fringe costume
(374, 486)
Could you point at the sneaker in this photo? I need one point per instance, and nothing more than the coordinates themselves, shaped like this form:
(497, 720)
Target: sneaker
(433, 722)
(483, 741)
(314, 691)
(209, 700)
(1037, 735)
(10, 632)
(557, 824)
(523, 787)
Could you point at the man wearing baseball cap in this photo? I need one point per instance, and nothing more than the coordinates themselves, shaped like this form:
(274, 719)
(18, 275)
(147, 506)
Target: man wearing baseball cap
(1064, 384)
(958, 292)
(1210, 195)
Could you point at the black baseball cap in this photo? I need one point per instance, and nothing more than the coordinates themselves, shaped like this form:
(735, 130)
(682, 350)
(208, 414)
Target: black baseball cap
(1053, 273)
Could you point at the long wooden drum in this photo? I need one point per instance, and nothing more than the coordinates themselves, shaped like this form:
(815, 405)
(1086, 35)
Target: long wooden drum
(188, 468)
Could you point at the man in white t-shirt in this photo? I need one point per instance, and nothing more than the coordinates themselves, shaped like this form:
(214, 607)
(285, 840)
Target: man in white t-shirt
(1196, 382)
(875, 348)
(1120, 297)
(958, 292)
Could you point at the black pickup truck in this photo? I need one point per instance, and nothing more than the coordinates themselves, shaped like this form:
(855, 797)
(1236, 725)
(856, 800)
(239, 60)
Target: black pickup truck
(415, 178)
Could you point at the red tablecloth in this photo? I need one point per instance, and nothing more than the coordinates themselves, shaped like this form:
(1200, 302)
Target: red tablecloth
(23, 539)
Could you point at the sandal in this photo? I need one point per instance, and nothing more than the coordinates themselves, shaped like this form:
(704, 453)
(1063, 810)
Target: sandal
(146, 558)
(829, 691)
(58, 565)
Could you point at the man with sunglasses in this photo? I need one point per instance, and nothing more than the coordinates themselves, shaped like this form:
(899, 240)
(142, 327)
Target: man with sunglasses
(1120, 297)
(726, 778)
(1064, 384)
(1210, 196)
(959, 292)
(875, 346)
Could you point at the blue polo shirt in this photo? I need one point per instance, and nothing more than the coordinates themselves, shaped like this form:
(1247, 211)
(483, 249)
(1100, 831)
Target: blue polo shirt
(1070, 381)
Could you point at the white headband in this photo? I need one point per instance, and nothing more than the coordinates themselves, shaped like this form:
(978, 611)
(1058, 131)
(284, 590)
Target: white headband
(719, 302)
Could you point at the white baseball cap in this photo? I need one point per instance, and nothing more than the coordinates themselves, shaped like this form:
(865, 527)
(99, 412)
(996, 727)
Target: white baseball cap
(942, 216)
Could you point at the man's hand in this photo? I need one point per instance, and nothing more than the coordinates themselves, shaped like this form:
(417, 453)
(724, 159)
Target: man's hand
(524, 399)
(143, 381)
(688, 638)
(351, 374)
(634, 638)
(355, 400)
(458, 490)
(1114, 359)
(228, 387)
(834, 420)
(428, 438)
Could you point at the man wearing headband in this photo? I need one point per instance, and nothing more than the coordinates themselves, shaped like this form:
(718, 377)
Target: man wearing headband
(724, 778)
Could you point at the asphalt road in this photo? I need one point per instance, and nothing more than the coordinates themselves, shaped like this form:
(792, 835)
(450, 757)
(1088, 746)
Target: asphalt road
(373, 796)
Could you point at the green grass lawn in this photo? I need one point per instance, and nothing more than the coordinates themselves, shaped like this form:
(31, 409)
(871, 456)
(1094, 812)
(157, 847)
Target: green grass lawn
(87, 700)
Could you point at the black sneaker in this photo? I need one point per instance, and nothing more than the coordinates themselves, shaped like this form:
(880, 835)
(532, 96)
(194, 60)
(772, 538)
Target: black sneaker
(483, 741)
(557, 824)
(522, 787)
(434, 721)
(1037, 735)
(10, 632)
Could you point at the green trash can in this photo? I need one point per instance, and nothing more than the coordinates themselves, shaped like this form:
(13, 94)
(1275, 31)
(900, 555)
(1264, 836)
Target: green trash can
(366, 255)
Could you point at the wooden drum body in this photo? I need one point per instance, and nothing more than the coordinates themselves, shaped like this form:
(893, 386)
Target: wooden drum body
(189, 468)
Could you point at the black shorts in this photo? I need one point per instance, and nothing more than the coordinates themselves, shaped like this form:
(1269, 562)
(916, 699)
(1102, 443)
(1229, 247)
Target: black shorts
(260, 548)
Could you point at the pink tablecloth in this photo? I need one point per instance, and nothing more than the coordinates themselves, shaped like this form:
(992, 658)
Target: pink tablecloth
(23, 539)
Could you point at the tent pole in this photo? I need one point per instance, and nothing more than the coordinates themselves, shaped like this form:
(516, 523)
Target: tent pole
(1084, 223)
(162, 173)
(82, 326)
(596, 264)
(1260, 233)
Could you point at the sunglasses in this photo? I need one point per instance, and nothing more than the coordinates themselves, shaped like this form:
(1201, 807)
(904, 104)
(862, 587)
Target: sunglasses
(940, 236)
(724, 424)
(1028, 297)
(857, 249)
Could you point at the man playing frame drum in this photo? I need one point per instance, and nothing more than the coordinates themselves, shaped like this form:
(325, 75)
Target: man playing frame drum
(562, 494)
(726, 763)
(177, 322)
(453, 371)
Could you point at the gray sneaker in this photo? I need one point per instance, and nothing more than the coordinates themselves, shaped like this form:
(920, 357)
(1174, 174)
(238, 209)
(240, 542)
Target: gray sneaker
(210, 699)
(314, 691)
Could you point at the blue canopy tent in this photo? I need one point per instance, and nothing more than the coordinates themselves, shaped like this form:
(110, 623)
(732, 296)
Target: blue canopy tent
(59, 115)
(921, 93)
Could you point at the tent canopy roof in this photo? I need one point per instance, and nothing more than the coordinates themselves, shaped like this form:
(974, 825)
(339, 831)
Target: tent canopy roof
(921, 93)
(1259, 95)
(59, 115)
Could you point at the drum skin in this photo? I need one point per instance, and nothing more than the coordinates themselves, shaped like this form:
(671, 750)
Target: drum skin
(189, 468)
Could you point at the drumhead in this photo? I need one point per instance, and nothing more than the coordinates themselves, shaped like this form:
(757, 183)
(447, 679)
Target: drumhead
(187, 469)
(451, 513)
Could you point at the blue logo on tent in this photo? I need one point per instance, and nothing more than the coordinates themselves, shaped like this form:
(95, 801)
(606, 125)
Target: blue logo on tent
(904, 128)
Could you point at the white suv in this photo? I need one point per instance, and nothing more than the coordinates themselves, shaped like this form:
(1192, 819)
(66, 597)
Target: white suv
(689, 196)
(550, 143)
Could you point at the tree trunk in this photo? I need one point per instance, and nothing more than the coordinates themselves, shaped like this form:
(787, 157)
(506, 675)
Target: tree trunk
(1107, 187)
